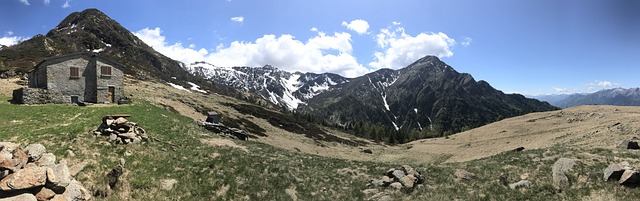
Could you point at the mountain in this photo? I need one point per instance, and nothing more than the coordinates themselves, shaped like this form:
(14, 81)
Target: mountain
(93, 31)
(551, 98)
(616, 96)
(285, 89)
(424, 98)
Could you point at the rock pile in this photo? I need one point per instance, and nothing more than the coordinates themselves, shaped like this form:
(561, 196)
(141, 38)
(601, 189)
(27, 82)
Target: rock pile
(31, 174)
(120, 130)
(623, 173)
(404, 177)
(226, 131)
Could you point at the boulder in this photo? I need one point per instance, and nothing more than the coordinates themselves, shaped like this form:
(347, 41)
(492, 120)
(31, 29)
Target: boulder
(613, 172)
(21, 197)
(408, 181)
(520, 184)
(44, 194)
(5, 155)
(75, 169)
(463, 174)
(35, 151)
(61, 174)
(408, 170)
(120, 121)
(559, 170)
(376, 182)
(47, 159)
(29, 177)
(8, 146)
(398, 174)
(168, 184)
(114, 176)
(396, 185)
(630, 178)
(628, 144)
(75, 191)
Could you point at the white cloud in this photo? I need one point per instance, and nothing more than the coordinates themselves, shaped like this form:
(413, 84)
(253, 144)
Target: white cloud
(66, 4)
(25, 2)
(602, 84)
(238, 19)
(562, 90)
(401, 49)
(283, 51)
(46, 2)
(466, 41)
(287, 53)
(153, 38)
(395, 23)
(605, 84)
(314, 29)
(359, 26)
(9, 39)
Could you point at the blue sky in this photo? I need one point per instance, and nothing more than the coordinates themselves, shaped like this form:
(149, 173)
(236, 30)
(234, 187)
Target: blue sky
(530, 47)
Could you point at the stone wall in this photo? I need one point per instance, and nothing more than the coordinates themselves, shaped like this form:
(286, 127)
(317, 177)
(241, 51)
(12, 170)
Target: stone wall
(61, 86)
(103, 83)
(31, 96)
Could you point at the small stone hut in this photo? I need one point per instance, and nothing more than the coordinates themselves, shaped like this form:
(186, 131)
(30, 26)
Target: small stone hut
(72, 78)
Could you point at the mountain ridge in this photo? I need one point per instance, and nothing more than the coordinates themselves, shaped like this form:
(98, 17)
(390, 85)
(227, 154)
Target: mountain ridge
(614, 96)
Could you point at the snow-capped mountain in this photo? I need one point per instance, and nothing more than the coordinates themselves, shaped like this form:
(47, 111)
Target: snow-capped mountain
(281, 87)
(615, 96)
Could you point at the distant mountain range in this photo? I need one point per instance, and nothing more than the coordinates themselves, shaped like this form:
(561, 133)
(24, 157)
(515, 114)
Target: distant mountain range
(283, 88)
(616, 96)
(427, 96)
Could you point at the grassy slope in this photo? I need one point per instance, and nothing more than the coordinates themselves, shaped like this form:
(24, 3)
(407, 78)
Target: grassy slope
(265, 172)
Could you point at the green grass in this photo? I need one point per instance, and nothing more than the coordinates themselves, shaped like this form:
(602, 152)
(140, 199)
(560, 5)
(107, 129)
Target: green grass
(265, 172)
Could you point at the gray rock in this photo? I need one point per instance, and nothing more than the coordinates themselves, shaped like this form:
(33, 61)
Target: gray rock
(629, 178)
(75, 169)
(8, 146)
(463, 174)
(408, 170)
(613, 172)
(396, 185)
(377, 182)
(408, 181)
(520, 184)
(628, 144)
(62, 174)
(35, 151)
(559, 170)
(168, 184)
(47, 159)
(76, 192)
(398, 174)
(21, 197)
(5, 155)
(70, 153)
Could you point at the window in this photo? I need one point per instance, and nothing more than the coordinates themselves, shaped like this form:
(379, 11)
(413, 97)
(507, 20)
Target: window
(74, 72)
(105, 70)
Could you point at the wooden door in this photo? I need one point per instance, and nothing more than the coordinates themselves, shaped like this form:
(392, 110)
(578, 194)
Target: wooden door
(110, 94)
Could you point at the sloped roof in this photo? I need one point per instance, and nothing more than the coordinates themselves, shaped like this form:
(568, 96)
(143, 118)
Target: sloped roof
(85, 55)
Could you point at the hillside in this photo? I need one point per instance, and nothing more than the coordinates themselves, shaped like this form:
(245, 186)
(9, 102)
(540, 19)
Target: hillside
(291, 165)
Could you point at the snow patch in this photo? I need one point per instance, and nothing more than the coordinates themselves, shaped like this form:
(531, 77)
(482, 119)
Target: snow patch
(415, 110)
(430, 123)
(178, 87)
(384, 99)
(97, 50)
(395, 126)
(195, 87)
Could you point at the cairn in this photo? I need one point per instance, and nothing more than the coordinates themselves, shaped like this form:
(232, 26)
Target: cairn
(120, 130)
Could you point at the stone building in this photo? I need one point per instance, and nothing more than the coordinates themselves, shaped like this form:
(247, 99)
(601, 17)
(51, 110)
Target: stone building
(72, 78)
